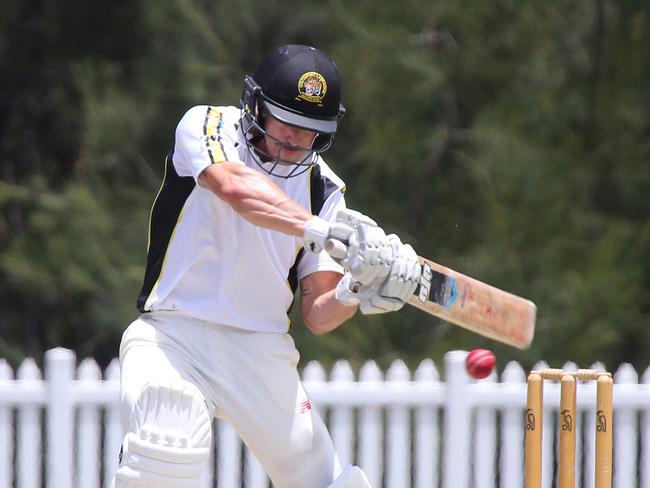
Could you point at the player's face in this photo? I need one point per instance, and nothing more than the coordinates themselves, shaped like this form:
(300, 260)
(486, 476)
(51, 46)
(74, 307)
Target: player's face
(279, 135)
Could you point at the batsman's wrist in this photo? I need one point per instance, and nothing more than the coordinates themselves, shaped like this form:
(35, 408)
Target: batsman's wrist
(316, 232)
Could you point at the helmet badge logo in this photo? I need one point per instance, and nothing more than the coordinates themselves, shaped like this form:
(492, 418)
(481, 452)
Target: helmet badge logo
(312, 87)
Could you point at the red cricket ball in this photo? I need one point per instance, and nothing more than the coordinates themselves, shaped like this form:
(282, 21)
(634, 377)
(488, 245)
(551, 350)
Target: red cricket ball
(480, 363)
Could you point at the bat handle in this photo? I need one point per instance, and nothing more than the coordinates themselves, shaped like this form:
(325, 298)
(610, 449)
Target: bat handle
(335, 248)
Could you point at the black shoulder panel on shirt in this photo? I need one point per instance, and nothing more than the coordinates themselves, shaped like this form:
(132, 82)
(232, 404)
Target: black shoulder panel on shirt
(293, 272)
(320, 188)
(165, 212)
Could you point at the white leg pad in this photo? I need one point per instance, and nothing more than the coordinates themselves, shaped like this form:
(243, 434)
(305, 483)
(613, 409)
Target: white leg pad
(351, 477)
(171, 439)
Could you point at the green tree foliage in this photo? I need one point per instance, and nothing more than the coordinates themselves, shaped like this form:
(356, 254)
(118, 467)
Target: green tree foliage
(508, 140)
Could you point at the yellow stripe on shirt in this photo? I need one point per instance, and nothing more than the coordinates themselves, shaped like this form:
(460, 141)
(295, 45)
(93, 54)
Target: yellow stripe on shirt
(162, 185)
(212, 131)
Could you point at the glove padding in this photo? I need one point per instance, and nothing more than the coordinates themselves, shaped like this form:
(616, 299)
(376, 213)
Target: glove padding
(350, 292)
(318, 231)
(400, 284)
(365, 250)
(404, 273)
(369, 254)
(390, 294)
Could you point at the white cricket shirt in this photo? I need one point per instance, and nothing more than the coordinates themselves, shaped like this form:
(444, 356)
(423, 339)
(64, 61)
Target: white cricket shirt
(207, 261)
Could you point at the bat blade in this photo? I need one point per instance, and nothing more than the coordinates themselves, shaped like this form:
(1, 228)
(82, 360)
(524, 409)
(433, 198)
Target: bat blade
(474, 305)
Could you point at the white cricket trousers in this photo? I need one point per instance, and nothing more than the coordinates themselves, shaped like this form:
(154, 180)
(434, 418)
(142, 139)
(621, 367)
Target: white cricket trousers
(249, 379)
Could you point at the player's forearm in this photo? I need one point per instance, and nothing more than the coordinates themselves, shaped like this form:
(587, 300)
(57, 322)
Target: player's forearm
(278, 212)
(326, 313)
(256, 198)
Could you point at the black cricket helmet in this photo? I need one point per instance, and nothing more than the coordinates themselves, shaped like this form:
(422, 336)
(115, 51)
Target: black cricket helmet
(300, 86)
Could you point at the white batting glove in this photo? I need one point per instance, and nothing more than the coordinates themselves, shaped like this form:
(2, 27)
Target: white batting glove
(405, 271)
(318, 231)
(369, 254)
(353, 218)
(315, 234)
(360, 245)
(350, 292)
(400, 284)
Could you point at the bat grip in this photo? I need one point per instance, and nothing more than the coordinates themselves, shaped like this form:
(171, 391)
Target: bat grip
(335, 248)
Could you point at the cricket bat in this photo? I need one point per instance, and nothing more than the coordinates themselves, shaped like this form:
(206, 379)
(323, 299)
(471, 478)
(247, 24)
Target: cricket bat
(474, 305)
(468, 303)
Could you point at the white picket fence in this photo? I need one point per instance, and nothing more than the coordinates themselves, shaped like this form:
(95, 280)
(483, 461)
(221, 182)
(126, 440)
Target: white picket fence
(405, 430)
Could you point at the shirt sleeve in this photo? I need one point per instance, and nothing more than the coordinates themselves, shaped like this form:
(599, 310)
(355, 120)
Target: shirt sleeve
(310, 262)
(203, 137)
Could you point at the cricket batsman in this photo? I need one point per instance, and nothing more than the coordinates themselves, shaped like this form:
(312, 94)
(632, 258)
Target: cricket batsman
(246, 208)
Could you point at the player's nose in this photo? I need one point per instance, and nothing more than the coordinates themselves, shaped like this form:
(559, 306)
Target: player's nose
(291, 135)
